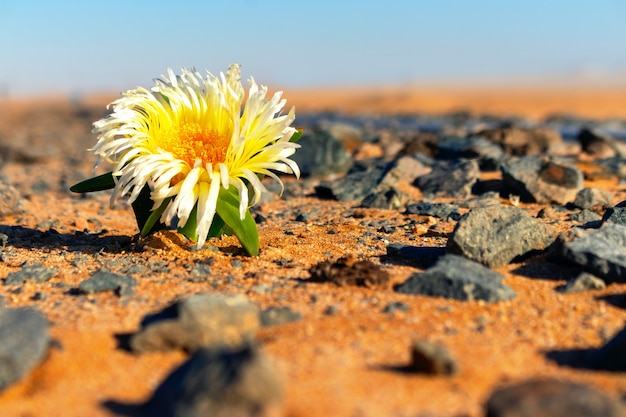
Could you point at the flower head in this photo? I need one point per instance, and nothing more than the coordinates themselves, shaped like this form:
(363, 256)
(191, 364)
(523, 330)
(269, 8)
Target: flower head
(189, 137)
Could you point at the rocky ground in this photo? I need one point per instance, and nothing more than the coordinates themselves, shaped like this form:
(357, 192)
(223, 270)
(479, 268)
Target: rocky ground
(427, 264)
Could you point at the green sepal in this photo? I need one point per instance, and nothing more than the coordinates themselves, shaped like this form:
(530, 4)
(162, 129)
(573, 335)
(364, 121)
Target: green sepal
(245, 230)
(146, 219)
(99, 183)
(217, 228)
(151, 225)
(226, 221)
(296, 136)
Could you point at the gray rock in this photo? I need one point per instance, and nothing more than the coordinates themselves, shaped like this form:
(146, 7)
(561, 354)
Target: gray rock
(495, 235)
(360, 182)
(10, 200)
(275, 316)
(453, 178)
(387, 200)
(220, 383)
(601, 252)
(615, 215)
(203, 320)
(541, 181)
(583, 282)
(432, 358)
(36, 273)
(487, 153)
(444, 211)
(551, 398)
(585, 216)
(458, 278)
(103, 280)
(405, 168)
(611, 167)
(589, 197)
(24, 340)
(321, 154)
(600, 145)
(519, 141)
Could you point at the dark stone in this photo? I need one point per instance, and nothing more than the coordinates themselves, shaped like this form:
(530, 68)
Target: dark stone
(487, 153)
(601, 252)
(583, 282)
(349, 271)
(10, 200)
(24, 340)
(519, 141)
(321, 154)
(276, 316)
(599, 145)
(615, 215)
(432, 358)
(103, 280)
(496, 235)
(357, 184)
(396, 306)
(550, 398)
(36, 273)
(536, 180)
(444, 211)
(202, 320)
(419, 256)
(584, 216)
(612, 167)
(589, 197)
(220, 383)
(458, 278)
(453, 178)
(387, 200)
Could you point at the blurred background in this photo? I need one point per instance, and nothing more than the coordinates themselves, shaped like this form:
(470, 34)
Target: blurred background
(80, 47)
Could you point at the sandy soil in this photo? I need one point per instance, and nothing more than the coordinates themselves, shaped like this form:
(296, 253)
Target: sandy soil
(345, 364)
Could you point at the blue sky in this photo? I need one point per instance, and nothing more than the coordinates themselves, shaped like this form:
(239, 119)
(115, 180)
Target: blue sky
(83, 46)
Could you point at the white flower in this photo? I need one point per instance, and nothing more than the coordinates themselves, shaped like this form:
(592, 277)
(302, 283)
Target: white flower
(190, 135)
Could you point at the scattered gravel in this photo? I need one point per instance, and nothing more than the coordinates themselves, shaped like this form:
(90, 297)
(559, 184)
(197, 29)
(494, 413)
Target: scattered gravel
(104, 280)
(36, 273)
(276, 316)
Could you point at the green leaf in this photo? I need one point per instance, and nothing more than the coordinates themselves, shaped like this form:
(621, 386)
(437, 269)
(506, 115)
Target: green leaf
(245, 230)
(99, 183)
(151, 221)
(296, 136)
(142, 207)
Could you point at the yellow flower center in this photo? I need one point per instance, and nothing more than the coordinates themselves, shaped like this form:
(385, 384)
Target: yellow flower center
(192, 141)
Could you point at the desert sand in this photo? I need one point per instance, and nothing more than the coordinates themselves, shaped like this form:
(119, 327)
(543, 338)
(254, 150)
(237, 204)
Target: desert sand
(341, 364)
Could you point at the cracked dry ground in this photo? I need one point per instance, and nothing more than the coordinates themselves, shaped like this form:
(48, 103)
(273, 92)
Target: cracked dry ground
(342, 364)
